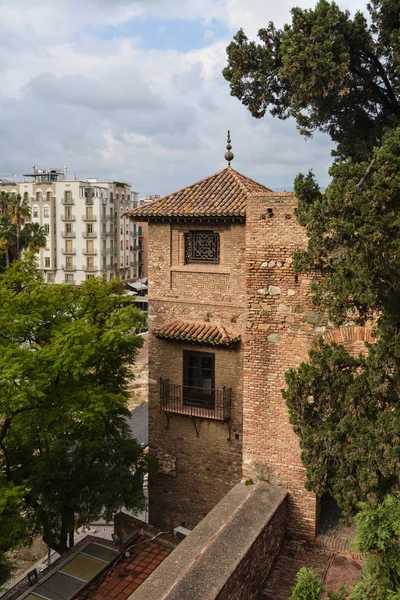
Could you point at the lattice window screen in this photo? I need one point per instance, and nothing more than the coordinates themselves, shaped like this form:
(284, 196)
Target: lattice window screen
(201, 246)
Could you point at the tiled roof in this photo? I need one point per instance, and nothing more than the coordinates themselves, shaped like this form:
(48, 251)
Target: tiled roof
(200, 333)
(221, 195)
(121, 580)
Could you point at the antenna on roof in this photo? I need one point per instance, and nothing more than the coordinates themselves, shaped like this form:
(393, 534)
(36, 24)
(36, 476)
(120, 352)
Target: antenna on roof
(229, 156)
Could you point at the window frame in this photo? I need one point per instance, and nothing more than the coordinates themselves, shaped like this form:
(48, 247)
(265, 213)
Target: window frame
(190, 241)
(192, 396)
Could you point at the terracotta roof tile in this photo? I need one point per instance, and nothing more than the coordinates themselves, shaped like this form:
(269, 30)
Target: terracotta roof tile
(223, 194)
(200, 333)
(122, 579)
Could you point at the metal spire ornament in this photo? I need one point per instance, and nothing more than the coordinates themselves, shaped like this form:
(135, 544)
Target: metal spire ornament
(229, 156)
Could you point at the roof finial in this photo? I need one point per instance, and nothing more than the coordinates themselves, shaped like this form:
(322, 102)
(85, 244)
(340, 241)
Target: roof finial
(229, 156)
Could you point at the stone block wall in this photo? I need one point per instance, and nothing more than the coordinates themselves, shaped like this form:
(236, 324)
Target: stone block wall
(197, 467)
(229, 554)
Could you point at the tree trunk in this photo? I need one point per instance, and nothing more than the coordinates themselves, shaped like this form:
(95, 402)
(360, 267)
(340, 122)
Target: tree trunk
(66, 534)
(61, 547)
(18, 232)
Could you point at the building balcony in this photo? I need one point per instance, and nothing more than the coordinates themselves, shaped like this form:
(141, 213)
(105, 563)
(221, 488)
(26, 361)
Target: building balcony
(109, 234)
(92, 235)
(68, 218)
(195, 402)
(92, 269)
(67, 201)
(68, 252)
(109, 217)
(64, 234)
(69, 268)
(89, 252)
(86, 218)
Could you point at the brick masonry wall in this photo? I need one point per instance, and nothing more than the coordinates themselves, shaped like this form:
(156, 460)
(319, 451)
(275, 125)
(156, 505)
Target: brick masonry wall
(281, 326)
(196, 470)
(252, 291)
(230, 552)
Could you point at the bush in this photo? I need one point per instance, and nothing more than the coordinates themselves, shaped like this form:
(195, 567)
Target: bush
(308, 586)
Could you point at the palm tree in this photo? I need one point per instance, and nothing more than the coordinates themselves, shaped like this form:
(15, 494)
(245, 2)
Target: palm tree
(4, 202)
(18, 210)
(34, 237)
(7, 236)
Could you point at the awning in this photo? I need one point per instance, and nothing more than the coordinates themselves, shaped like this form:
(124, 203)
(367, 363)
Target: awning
(197, 333)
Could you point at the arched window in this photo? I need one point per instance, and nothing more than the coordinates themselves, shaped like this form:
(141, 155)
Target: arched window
(48, 195)
(46, 211)
(38, 196)
(26, 196)
(35, 212)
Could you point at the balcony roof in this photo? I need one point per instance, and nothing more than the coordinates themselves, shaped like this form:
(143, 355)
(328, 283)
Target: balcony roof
(197, 333)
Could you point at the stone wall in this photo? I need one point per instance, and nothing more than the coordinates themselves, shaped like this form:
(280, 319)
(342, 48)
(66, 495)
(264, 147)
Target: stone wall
(229, 554)
(281, 327)
(281, 324)
(255, 293)
(197, 467)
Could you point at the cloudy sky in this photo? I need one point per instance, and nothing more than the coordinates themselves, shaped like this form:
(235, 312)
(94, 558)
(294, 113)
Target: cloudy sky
(132, 90)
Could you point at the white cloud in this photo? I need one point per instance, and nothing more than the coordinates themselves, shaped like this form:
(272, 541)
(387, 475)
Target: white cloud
(112, 108)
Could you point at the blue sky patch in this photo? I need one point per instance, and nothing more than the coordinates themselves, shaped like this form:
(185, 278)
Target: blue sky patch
(162, 34)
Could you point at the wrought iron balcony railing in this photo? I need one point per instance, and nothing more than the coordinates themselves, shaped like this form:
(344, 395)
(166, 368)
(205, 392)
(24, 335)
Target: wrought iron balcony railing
(195, 402)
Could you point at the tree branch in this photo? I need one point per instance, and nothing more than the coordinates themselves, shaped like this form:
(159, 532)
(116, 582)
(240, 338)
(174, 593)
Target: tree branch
(375, 60)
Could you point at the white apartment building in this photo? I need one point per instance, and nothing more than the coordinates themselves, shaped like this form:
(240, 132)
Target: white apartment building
(87, 234)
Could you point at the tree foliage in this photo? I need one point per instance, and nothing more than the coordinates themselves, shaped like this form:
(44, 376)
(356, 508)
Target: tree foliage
(65, 447)
(308, 586)
(340, 74)
(378, 538)
(16, 232)
(330, 71)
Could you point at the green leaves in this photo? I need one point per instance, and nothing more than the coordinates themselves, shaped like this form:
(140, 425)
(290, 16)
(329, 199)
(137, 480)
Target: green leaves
(64, 367)
(331, 72)
(346, 413)
(308, 586)
(354, 235)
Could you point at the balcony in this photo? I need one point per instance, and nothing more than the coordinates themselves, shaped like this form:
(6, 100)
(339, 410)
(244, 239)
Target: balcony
(109, 217)
(195, 402)
(67, 217)
(68, 252)
(86, 218)
(68, 268)
(92, 235)
(109, 233)
(66, 234)
(90, 268)
(90, 252)
(67, 201)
